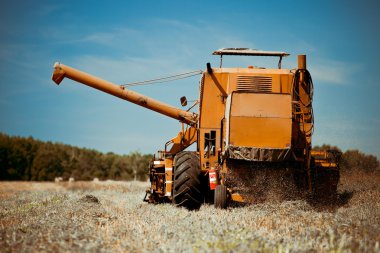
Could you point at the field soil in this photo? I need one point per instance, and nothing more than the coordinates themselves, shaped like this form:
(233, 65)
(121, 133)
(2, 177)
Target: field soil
(111, 217)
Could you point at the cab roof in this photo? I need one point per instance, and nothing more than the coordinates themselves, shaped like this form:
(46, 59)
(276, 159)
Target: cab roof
(248, 52)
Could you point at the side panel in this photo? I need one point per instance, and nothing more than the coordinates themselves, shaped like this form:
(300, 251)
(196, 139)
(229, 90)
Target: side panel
(211, 116)
(260, 132)
(212, 101)
(260, 120)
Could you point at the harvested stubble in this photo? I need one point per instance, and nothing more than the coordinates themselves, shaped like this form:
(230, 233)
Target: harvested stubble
(63, 217)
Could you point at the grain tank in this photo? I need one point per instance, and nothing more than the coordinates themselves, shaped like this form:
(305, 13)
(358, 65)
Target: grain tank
(249, 120)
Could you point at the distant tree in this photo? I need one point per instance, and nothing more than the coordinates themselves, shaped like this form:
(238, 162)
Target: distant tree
(5, 148)
(139, 164)
(356, 160)
(120, 169)
(48, 163)
(70, 164)
(327, 147)
(30, 159)
(88, 162)
(31, 147)
(16, 157)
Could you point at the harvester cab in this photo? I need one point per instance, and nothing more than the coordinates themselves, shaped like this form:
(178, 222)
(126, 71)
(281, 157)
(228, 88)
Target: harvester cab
(248, 118)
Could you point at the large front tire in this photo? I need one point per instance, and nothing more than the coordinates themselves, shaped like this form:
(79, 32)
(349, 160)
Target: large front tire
(187, 186)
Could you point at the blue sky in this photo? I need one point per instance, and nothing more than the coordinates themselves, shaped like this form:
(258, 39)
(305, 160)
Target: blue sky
(127, 41)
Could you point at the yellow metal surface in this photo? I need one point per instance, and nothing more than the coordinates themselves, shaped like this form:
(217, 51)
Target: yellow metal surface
(281, 78)
(212, 105)
(325, 164)
(183, 140)
(260, 132)
(321, 153)
(212, 102)
(237, 197)
(261, 105)
(260, 120)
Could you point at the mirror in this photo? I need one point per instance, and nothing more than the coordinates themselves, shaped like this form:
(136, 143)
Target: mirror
(183, 101)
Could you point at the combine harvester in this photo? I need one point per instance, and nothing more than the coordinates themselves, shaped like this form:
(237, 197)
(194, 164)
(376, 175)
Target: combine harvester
(249, 119)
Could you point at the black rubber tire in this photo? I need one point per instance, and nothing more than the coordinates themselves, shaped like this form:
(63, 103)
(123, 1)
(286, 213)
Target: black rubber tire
(220, 197)
(187, 186)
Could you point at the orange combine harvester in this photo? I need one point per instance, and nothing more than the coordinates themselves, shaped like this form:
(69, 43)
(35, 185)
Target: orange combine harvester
(249, 120)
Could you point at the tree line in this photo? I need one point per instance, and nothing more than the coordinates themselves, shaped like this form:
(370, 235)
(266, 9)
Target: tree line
(30, 159)
(354, 160)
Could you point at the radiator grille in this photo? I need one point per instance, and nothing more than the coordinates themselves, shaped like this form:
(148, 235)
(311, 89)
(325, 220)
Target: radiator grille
(254, 83)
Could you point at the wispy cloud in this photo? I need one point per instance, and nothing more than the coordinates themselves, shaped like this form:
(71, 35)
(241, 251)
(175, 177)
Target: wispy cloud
(176, 48)
(127, 69)
(114, 37)
(333, 71)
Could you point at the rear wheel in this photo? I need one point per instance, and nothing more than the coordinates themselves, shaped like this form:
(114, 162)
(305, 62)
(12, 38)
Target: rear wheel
(220, 197)
(325, 184)
(187, 186)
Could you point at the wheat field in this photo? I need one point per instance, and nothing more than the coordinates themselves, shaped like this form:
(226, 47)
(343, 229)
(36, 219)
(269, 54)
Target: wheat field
(110, 216)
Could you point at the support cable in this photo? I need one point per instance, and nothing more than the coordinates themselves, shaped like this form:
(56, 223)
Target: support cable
(165, 79)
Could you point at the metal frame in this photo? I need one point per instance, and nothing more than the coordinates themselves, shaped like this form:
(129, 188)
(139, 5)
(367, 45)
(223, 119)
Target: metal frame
(249, 52)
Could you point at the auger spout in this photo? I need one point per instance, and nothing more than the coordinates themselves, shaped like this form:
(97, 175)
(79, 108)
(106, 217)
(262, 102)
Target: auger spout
(61, 71)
